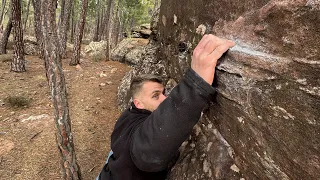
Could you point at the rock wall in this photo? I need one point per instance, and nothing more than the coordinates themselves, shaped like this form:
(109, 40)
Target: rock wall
(148, 64)
(266, 115)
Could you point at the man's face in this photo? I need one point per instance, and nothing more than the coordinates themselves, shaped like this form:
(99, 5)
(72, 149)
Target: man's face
(150, 96)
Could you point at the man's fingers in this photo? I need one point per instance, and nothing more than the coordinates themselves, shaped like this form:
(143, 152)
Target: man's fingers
(217, 53)
(203, 42)
(215, 42)
(231, 43)
(212, 46)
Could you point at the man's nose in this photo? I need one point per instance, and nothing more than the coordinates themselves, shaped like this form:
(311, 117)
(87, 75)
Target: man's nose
(162, 97)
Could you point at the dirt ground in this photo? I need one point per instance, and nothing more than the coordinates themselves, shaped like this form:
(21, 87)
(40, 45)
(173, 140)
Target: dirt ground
(27, 135)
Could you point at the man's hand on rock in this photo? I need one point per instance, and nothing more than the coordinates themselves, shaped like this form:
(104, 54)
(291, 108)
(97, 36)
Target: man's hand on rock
(206, 55)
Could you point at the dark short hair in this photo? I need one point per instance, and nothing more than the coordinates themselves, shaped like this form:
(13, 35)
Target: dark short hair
(137, 82)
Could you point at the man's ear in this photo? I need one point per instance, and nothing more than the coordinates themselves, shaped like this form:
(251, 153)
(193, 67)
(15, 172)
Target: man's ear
(138, 104)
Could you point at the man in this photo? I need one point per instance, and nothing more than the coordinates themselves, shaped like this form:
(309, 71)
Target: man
(147, 136)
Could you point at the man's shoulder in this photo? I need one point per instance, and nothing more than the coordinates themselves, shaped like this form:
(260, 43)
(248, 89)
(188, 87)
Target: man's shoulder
(126, 123)
(130, 116)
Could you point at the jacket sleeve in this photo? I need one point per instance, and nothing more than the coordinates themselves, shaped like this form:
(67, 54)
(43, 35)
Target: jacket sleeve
(157, 139)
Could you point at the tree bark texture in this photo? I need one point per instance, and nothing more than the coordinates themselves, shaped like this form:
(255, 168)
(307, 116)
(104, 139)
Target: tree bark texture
(113, 25)
(2, 10)
(27, 15)
(108, 27)
(116, 27)
(72, 28)
(37, 26)
(64, 24)
(79, 34)
(5, 37)
(96, 31)
(62, 5)
(132, 23)
(18, 62)
(57, 84)
(156, 3)
(102, 24)
(107, 18)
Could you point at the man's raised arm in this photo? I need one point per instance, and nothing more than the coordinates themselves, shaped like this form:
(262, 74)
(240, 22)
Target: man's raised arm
(156, 140)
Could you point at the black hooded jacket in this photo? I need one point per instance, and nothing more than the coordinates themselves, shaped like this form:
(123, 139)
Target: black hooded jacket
(145, 144)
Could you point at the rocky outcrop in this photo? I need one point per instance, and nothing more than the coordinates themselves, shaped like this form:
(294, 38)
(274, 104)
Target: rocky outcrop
(96, 50)
(264, 122)
(129, 50)
(267, 106)
(30, 45)
(148, 64)
(141, 31)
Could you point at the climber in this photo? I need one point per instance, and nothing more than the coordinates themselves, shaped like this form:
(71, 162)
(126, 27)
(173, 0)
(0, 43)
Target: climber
(147, 136)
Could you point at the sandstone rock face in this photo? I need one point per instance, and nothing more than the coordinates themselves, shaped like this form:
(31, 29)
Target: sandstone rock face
(129, 50)
(265, 118)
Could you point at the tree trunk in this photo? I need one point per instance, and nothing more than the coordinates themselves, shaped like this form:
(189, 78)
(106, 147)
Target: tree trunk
(27, 15)
(102, 24)
(79, 34)
(121, 27)
(108, 27)
(96, 31)
(156, 3)
(57, 84)
(64, 24)
(107, 18)
(113, 25)
(37, 26)
(118, 28)
(2, 10)
(18, 62)
(132, 23)
(62, 5)
(5, 37)
(72, 25)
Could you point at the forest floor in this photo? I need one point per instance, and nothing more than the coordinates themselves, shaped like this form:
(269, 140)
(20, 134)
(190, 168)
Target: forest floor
(28, 148)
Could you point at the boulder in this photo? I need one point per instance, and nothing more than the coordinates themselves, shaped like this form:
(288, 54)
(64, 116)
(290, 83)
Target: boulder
(134, 56)
(267, 105)
(145, 32)
(264, 122)
(96, 50)
(142, 31)
(30, 39)
(30, 48)
(30, 45)
(145, 26)
(129, 50)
